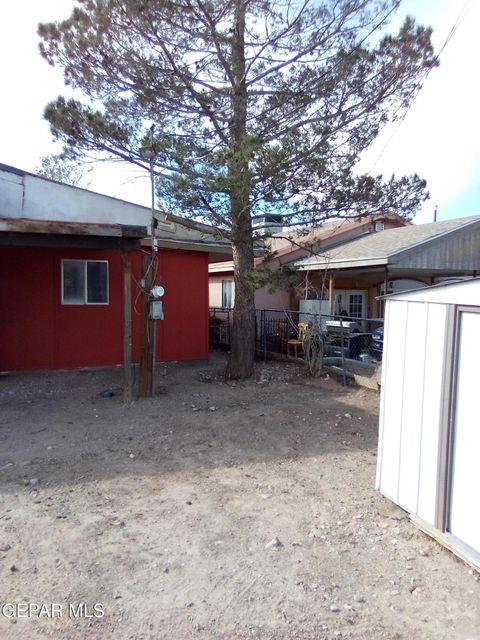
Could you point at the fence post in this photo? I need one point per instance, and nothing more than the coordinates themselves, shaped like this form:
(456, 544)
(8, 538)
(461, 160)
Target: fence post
(344, 371)
(263, 333)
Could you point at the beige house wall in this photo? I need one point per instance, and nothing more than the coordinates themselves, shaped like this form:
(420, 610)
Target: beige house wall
(263, 298)
(277, 300)
(215, 288)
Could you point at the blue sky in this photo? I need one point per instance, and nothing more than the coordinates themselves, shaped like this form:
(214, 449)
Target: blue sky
(439, 138)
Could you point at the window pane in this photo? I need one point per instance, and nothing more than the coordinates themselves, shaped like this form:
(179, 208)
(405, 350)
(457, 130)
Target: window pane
(356, 305)
(73, 281)
(226, 294)
(97, 282)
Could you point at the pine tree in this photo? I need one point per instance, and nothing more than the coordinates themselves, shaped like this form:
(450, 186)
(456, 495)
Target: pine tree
(260, 106)
(61, 168)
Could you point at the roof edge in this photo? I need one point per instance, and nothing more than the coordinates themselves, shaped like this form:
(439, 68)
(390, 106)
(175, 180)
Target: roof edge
(415, 245)
(344, 263)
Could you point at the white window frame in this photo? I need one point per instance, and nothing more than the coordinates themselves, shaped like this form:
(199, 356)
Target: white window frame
(344, 295)
(85, 272)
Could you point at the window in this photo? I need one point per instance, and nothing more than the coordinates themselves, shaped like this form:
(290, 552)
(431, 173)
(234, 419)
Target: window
(379, 225)
(226, 294)
(84, 282)
(350, 303)
(355, 305)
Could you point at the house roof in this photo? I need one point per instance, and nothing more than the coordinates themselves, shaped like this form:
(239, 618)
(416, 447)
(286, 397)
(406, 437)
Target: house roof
(293, 244)
(330, 229)
(26, 196)
(450, 244)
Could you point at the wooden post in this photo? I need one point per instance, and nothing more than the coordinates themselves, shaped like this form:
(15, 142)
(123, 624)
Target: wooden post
(148, 326)
(382, 302)
(331, 293)
(127, 326)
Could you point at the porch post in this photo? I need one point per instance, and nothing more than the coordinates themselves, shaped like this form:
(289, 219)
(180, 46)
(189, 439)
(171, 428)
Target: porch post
(382, 302)
(127, 325)
(331, 293)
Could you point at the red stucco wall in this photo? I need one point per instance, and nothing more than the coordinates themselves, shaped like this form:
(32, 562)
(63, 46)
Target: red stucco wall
(38, 332)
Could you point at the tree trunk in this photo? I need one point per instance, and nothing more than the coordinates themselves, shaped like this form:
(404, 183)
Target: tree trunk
(242, 352)
(240, 364)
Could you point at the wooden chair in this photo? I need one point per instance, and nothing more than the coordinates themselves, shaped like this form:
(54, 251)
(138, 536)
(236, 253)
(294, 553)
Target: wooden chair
(297, 343)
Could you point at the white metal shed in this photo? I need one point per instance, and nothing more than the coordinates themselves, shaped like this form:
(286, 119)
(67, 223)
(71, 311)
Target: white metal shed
(429, 440)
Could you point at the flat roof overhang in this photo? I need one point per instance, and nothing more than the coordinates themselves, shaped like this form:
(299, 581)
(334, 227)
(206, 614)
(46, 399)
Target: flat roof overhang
(53, 233)
(190, 245)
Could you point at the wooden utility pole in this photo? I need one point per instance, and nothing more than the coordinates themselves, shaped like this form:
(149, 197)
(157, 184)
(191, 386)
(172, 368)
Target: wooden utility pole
(127, 325)
(145, 389)
(148, 342)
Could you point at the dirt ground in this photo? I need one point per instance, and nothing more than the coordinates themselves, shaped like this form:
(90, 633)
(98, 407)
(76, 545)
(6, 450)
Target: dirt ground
(213, 511)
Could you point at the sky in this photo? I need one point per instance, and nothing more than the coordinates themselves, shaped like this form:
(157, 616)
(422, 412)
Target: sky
(439, 138)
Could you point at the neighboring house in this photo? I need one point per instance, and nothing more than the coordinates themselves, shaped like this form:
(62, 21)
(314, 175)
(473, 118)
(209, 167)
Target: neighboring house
(68, 259)
(352, 275)
(286, 247)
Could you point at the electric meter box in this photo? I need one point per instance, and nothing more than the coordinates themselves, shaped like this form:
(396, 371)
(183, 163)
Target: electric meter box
(156, 310)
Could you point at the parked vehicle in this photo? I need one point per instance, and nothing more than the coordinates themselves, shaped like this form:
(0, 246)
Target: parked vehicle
(376, 347)
(346, 333)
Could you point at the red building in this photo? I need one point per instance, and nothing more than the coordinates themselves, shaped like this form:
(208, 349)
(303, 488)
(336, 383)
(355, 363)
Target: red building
(70, 260)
